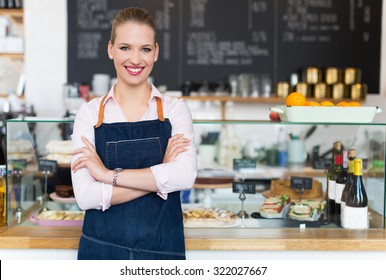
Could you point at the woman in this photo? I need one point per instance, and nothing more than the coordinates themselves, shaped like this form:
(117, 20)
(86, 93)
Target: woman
(133, 152)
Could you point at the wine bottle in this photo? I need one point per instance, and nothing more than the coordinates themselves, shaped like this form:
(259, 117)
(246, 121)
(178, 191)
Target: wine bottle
(340, 184)
(350, 176)
(356, 209)
(333, 171)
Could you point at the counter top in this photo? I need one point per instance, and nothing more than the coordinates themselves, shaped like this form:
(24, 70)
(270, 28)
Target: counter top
(284, 239)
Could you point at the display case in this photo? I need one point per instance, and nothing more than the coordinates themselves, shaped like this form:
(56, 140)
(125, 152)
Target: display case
(241, 164)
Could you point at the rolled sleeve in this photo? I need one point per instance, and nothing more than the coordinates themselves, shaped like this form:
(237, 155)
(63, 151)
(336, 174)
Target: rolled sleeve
(161, 176)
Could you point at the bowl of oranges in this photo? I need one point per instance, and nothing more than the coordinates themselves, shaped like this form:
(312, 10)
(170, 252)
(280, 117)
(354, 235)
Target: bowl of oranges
(298, 109)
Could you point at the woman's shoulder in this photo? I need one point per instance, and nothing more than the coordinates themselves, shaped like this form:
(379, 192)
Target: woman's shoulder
(90, 108)
(174, 104)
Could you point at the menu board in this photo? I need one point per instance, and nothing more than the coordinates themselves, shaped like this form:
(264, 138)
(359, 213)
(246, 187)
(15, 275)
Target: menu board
(210, 40)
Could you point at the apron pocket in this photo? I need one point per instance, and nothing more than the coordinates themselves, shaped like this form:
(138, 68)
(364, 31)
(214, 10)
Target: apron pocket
(133, 154)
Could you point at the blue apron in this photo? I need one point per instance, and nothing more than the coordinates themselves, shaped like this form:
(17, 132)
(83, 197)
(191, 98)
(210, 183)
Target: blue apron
(148, 227)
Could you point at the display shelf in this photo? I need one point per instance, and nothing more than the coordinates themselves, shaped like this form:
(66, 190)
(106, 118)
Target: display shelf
(223, 99)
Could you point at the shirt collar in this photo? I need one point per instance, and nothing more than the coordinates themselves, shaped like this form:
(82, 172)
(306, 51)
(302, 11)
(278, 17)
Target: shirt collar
(154, 93)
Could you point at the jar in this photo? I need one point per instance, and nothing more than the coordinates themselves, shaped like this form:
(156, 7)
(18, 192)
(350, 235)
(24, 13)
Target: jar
(320, 91)
(352, 76)
(304, 89)
(333, 75)
(313, 75)
(338, 91)
(358, 91)
(283, 89)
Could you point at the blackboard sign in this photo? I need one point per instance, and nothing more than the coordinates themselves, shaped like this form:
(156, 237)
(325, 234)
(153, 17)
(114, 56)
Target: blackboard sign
(300, 183)
(209, 40)
(47, 165)
(243, 163)
(245, 187)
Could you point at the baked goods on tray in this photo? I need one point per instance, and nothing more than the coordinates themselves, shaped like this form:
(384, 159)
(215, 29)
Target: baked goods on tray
(64, 191)
(283, 187)
(59, 150)
(208, 217)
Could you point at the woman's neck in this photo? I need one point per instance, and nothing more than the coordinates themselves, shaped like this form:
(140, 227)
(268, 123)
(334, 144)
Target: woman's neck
(132, 96)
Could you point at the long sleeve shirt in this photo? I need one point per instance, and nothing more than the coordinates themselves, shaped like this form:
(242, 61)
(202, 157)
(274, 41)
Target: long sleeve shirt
(172, 176)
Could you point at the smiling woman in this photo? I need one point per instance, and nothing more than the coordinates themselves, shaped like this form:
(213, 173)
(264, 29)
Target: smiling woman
(125, 169)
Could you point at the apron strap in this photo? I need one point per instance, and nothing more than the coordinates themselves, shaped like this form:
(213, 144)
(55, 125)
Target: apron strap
(101, 112)
(160, 110)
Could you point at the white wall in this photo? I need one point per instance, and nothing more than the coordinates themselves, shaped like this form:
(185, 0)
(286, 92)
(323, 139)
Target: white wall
(46, 61)
(45, 24)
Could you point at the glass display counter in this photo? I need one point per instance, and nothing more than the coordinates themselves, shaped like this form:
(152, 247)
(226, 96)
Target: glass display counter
(241, 164)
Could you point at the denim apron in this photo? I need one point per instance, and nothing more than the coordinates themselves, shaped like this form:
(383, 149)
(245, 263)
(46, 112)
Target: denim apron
(148, 227)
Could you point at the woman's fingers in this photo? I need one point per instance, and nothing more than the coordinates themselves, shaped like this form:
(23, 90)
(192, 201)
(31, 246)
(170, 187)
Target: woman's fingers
(88, 144)
(176, 145)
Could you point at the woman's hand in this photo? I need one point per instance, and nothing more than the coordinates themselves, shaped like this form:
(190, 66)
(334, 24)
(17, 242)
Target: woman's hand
(90, 160)
(176, 145)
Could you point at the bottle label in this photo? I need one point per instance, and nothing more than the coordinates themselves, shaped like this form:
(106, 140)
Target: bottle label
(342, 213)
(338, 192)
(356, 217)
(331, 189)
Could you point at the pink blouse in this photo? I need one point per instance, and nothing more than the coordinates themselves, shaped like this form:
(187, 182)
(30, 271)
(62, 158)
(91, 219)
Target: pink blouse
(170, 177)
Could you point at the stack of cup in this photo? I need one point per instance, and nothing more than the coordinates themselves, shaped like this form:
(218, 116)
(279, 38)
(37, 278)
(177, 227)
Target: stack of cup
(100, 84)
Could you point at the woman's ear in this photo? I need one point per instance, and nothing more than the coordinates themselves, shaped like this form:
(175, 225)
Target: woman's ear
(156, 52)
(109, 50)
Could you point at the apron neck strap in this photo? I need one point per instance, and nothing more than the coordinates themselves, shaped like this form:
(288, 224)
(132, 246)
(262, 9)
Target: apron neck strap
(160, 111)
(101, 112)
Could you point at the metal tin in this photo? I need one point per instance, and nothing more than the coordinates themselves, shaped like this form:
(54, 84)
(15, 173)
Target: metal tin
(333, 75)
(352, 76)
(320, 90)
(283, 89)
(303, 88)
(358, 91)
(338, 90)
(313, 75)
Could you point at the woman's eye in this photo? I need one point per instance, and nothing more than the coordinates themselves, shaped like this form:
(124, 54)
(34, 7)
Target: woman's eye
(124, 48)
(146, 49)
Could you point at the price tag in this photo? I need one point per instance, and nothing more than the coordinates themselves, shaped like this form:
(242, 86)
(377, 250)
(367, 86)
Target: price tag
(47, 165)
(246, 187)
(239, 163)
(301, 183)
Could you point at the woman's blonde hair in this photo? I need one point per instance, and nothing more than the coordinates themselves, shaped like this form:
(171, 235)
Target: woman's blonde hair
(134, 14)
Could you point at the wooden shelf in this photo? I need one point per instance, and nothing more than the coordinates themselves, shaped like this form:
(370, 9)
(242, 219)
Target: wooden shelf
(15, 15)
(13, 55)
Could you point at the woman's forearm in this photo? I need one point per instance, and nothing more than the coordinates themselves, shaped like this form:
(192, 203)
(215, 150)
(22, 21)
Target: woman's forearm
(122, 195)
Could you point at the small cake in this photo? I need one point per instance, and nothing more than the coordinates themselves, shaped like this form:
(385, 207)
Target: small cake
(64, 191)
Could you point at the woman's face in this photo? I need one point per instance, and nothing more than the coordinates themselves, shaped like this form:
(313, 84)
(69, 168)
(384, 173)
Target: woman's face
(134, 52)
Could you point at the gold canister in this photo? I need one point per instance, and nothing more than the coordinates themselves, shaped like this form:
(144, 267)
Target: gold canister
(283, 89)
(338, 90)
(320, 91)
(333, 75)
(352, 76)
(313, 75)
(358, 91)
(303, 88)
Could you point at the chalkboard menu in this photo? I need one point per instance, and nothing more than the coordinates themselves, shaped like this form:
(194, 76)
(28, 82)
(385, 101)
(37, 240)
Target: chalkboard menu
(209, 40)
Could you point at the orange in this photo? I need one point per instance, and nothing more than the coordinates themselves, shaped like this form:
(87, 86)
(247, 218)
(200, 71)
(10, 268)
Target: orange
(295, 99)
(312, 103)
(354, 104)
(342, 104)
(326, 103)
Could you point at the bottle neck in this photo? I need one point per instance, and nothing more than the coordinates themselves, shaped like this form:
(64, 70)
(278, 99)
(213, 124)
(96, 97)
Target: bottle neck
(358, 167)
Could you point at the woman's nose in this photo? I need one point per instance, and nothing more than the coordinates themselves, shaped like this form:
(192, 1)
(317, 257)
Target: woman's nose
(135, 57)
